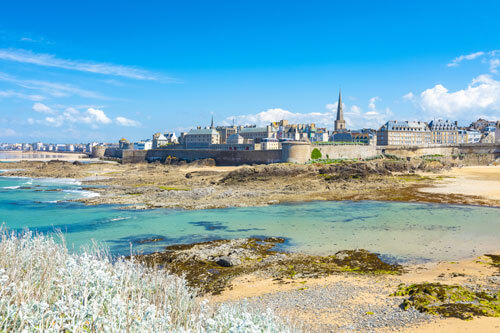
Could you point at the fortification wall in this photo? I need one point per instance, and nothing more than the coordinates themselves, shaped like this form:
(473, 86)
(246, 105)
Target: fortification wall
(296, 152)
(220, 157)
(462, 149)
(114, 152)
(134, 156)
(98, 152)
(346, 151)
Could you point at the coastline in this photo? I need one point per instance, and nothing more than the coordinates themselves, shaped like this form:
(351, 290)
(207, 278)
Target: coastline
(194, 187)
(357, 295)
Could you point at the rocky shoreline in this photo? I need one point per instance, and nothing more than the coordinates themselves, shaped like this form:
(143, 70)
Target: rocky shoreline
(198, 186)
(347, 290)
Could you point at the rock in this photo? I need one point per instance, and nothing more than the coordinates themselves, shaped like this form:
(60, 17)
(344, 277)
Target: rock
(203, 162)
(228, 261)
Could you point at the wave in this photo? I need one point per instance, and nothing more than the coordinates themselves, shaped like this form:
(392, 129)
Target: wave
(10, 187)
(83, 193)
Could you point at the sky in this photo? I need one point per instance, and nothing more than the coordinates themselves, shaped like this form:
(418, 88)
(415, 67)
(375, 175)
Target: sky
(99, 70)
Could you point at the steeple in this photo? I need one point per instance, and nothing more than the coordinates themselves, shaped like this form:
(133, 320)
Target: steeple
(212, 123)
(340, 112)
(340, 122)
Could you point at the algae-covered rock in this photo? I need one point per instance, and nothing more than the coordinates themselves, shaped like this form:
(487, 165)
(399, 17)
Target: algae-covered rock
(450, 300)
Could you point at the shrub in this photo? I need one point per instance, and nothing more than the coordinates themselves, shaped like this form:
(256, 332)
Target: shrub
(316, 154)
(45, 288)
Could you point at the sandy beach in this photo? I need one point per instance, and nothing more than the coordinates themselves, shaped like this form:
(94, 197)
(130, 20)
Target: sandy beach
(17, 156)
(482, 181)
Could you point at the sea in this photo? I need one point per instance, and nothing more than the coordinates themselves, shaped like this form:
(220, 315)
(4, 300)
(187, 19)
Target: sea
(398, 231)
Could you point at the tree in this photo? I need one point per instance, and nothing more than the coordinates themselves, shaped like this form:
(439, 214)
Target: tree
(316, 154)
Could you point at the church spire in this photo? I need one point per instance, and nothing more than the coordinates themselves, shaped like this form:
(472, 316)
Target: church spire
(340, 112)
(340, 122)
(212, 123)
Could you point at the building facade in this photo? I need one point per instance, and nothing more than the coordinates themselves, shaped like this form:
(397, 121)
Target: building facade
(444, 132)
(404, 133)
(201, 138)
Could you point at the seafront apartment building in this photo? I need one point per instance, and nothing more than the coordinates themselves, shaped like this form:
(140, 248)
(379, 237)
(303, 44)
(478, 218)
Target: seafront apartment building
(405, 133)
(444, 132)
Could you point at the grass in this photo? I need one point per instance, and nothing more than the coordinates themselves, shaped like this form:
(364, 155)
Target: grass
(45, 288)
(167, 188)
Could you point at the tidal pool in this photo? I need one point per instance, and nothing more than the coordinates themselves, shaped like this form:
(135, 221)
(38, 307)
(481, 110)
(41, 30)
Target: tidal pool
(406, 232)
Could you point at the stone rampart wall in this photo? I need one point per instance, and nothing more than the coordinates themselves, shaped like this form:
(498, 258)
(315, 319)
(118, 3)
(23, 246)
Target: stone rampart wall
(346, 151)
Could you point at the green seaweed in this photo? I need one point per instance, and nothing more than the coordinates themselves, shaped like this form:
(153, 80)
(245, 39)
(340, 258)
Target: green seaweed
(450, 300)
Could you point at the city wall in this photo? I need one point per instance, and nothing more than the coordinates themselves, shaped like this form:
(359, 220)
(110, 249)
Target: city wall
(300, 152)
(221, 157)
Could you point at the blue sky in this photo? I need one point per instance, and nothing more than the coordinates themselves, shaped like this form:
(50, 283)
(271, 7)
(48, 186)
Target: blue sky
(99, 70)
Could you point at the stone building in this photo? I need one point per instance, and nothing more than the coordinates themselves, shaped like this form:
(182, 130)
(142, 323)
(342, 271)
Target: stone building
(256, 134)
(443, 132)
(201, 138)
(404, 133)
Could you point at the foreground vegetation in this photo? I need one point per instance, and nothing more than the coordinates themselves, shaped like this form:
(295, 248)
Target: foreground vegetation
(43, 287)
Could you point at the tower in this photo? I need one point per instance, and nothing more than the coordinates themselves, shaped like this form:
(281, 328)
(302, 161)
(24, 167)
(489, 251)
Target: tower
(212, 123)
(340, 122)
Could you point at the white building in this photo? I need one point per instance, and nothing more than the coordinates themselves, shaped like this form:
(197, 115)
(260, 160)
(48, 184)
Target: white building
(270, 144)
(143, 145)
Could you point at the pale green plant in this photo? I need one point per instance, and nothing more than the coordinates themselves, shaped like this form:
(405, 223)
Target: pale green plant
(45, 288)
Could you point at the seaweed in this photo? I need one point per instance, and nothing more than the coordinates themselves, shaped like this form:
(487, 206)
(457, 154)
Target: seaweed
(450, 300)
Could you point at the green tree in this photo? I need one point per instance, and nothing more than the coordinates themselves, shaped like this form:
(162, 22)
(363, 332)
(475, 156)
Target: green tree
(316, 154)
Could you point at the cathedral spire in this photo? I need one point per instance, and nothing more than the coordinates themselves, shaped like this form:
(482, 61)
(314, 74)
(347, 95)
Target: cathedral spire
(212, 123)
(340, 122)
(340, 112)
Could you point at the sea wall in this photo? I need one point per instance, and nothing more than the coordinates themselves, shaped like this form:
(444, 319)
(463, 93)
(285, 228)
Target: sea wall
(221, 157)
(300, 152)
(346, 151)
(417, 151)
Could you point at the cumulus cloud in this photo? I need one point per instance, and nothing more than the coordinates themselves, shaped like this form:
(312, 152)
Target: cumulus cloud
(455, 62)
(42, 108)
(96, 116)
(126, 122)
(49, 60)
(276, 114)
(482, 96)
(354, 116)
(92, 116)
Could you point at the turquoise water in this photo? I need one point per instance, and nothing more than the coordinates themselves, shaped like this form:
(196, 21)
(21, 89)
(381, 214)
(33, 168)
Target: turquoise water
(404, 231)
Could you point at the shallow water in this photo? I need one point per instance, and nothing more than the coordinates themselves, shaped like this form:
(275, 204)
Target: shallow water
(403, 231)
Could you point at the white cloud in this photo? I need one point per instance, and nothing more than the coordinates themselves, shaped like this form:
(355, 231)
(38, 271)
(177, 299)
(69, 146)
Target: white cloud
(373, 100)
(51, 88)
(11, 93)
(482, 96)
(42, 108)
(455, 62)
(92, 116)
(95, 116)
(409, 96)
(126, 122)
(354, 116)
(49, 60)
(494, 64)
